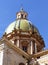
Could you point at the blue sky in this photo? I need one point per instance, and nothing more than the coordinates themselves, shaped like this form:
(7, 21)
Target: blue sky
(37, 13)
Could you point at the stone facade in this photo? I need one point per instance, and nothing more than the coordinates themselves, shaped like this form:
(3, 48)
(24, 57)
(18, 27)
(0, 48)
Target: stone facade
(10, 57)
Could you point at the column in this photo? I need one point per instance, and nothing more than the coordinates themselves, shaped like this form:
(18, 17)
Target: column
(31, 47)
(35, 48)
(18, 43)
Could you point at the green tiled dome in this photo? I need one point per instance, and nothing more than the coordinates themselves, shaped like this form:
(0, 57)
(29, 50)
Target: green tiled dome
(22, 24)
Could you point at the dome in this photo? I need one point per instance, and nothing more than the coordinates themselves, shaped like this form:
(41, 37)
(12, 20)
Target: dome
(22, 24)
(22, 29)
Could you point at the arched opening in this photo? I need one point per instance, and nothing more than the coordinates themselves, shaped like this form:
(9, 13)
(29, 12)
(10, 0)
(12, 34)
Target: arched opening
(21, 64)
(24, 48)
(25, 16)
(21, 15)
(24, 45)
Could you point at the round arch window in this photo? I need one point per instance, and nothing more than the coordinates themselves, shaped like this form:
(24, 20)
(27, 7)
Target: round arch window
(21, 64)
(24, 45)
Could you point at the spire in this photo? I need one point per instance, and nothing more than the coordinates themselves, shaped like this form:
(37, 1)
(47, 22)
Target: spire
(21, 9)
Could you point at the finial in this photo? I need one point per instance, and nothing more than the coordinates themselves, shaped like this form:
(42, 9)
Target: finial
(21, 8)
(21, 14)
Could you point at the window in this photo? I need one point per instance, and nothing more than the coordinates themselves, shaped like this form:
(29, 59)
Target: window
(21, 15)
(25, 16)
(25, 48)
(21, 64)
